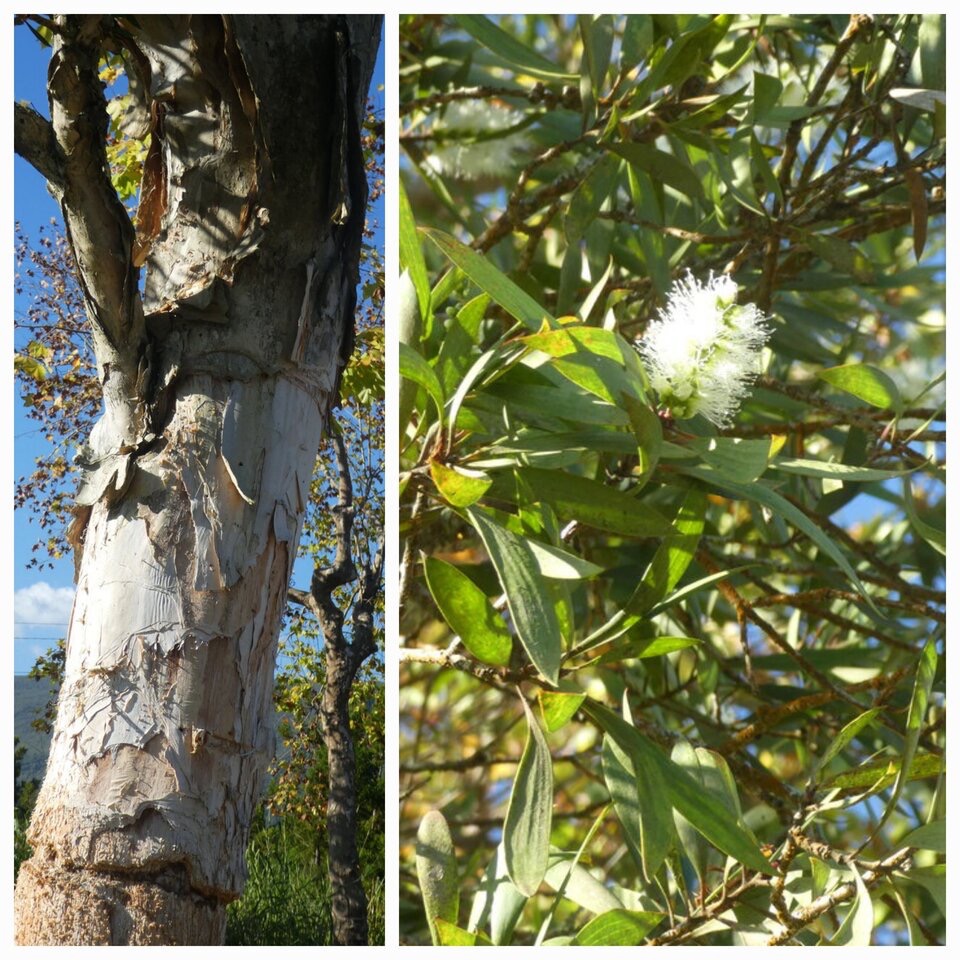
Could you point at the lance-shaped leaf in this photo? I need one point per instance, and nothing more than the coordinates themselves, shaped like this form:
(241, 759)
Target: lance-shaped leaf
(642, 806)
(767, 497)
(530, 604)
(710, 770)
(916, 717)
(437, 872)
(717, 824)
(617, 928)
(673, 556)
(559, 706)
(469, 613)
(526, 829)
(490, 280)
(857, 925)
(498, 902)
(459, 486)
(595, 504)
(866, 383)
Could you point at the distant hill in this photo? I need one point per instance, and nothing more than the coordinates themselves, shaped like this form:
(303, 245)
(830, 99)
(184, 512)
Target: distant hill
(29, 699)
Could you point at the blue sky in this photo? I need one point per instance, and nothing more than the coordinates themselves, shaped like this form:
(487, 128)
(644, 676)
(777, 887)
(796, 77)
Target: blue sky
(42, 599)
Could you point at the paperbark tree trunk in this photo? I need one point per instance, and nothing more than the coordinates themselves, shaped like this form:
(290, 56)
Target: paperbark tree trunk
(217, 382)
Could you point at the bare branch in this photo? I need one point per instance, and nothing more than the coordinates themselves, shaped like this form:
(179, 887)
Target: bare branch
(97, 224)
(33, 139)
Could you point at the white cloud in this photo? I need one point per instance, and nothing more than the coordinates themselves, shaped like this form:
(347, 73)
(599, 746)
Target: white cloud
(41, 604)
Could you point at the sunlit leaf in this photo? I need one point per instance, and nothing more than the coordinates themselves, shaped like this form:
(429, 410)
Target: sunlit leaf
(618, 928)
(866, 382)
(526, 829)
(437, 872)
(530, 607)
(468, 612)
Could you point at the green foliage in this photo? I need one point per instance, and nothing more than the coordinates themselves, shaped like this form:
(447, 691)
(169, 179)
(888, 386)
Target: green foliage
(24, 798)
(735, 633)
(286, 901)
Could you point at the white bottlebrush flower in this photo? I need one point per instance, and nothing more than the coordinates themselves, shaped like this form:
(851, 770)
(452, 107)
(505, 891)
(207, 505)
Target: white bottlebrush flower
(471, 145)
(703, 351)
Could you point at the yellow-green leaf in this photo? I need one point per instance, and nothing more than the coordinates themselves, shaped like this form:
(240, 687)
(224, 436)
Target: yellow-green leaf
(468, 612)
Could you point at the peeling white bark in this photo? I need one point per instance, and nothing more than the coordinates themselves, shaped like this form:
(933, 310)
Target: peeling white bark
(165, 702)
(216, 391)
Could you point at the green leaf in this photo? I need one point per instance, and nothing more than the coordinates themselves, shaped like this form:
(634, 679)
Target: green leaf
(414, 368)
(579, 885)
(459, 487)
(930, 836)
(437, 872)
(468, 612)
(673, 556)
(841, 254)
(766, 94)
(837, 471)
(648, 430)
(695, 587)
(526, 829)
(597, 33)
(411, 255)
(637, 39)
(880, 774)
(857, 926)
(588, 198)
(759, 158)
(917, 938)
(498, 902)
(450, 935)
(530, 605)
(936, 537)
(510, 49)
(866, 383)
(761, 494)
(459, 338)
(595, 359)
(932, 50)
(711, 772)
(595, 504)
(716, 824)
(645, 648)
(642, 806)
(663, 167)
(559, 706)
(556, 564)
(617, 928)
(742, 461)
(932, 879)
(916, 717)
(490, 280)
(843, 738)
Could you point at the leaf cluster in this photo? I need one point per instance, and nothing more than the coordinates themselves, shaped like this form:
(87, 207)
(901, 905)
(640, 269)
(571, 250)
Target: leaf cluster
(734, 636)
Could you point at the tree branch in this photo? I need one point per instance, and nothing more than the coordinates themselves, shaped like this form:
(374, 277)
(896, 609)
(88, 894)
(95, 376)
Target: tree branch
(842, 893)
(97, 224)
(34, 140)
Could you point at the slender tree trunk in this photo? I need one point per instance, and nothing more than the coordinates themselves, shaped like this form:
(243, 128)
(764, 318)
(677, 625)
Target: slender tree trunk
(342, 659)
(217, 384)
(349, 901)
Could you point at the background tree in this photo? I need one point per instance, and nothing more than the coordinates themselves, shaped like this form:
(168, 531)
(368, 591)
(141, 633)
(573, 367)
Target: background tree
(725, 628)
(217, 380)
